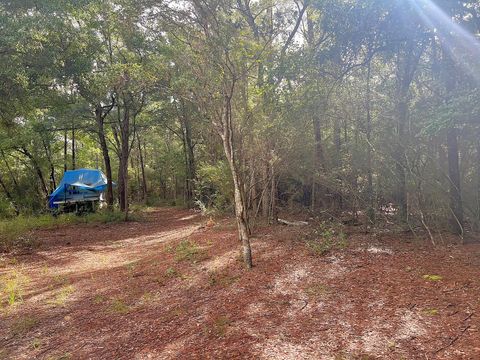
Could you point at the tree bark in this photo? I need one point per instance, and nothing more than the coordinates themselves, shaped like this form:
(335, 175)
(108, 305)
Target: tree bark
(478, 182)
(74, 155)
(273, 196)
(50, 162)
(370, 199)
(123, 161)
(399, 156)
(319, 161)
(10, 172)
(9, 195)
(65, 152)
(189, 156)
(456, 206)
(100, 115)
(408, 57)
(142, 169)
(37, 169)
(241, 215)
(265, 192)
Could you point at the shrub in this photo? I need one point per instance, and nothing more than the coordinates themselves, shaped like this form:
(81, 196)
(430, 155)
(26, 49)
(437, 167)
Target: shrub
(214, 188)
(325, 238)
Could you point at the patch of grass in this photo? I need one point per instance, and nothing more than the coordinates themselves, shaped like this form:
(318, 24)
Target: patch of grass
(12, 286)
(106, 217)
(99, 299)
(317, 290)
(187, 250)
(221, 279)
(432, 277)
(220, 325)
(320, 247)
(131, 268)
(171, 273)
(119, 307)
(8, 262)
(62, 296)
(61, 279)
(326, 238)
(36, 343)
(23, 325)
(146, 298)
(15, 232)
(431, 312)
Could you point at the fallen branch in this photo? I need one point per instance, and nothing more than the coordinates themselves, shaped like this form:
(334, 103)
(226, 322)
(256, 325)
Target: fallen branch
(292, 223)
(469, 316)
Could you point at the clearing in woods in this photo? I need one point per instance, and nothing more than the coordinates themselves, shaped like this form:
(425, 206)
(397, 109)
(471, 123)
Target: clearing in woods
(168, 288)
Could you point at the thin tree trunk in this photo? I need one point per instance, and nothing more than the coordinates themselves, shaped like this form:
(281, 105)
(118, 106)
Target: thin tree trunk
(10, 172)
(74, 160)
(370, 199)
(100, 117)
(123, 166)
(65, 152)
(478, 182)
(456, 205)
(407, 63)
(9, 195)
(240, 208)
(189, 156)
(338, 196)
(318, 161)
(265, 193)
(273, 197)
(142, 168)
(253, 203)
(400, 160)
(52, 168)
(37, 169)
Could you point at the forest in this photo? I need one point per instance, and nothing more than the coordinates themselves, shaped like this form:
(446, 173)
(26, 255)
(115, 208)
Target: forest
(265, 115)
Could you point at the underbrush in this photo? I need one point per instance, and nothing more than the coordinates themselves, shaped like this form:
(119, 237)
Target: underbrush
(326, 237)
(189, 251)
(16, 232)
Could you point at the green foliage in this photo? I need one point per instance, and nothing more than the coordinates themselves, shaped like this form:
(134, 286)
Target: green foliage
(62, 295)
(16, 232)
(433, 278)
(36, 343)
(214, 188)
(6, 209)
(12, 287)
(187, 250)
(118, 306)
(171, 273)
(431, 312)
(298, 109)
(99, 299)
(326, 238)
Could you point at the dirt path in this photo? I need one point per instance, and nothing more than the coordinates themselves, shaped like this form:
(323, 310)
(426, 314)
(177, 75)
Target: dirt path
(167, 289)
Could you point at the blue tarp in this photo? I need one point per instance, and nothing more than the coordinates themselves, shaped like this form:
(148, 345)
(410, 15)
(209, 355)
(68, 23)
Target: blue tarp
(78, 185)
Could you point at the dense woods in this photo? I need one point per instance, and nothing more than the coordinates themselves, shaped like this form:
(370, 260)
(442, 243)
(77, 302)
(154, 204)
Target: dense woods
(366, 111)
